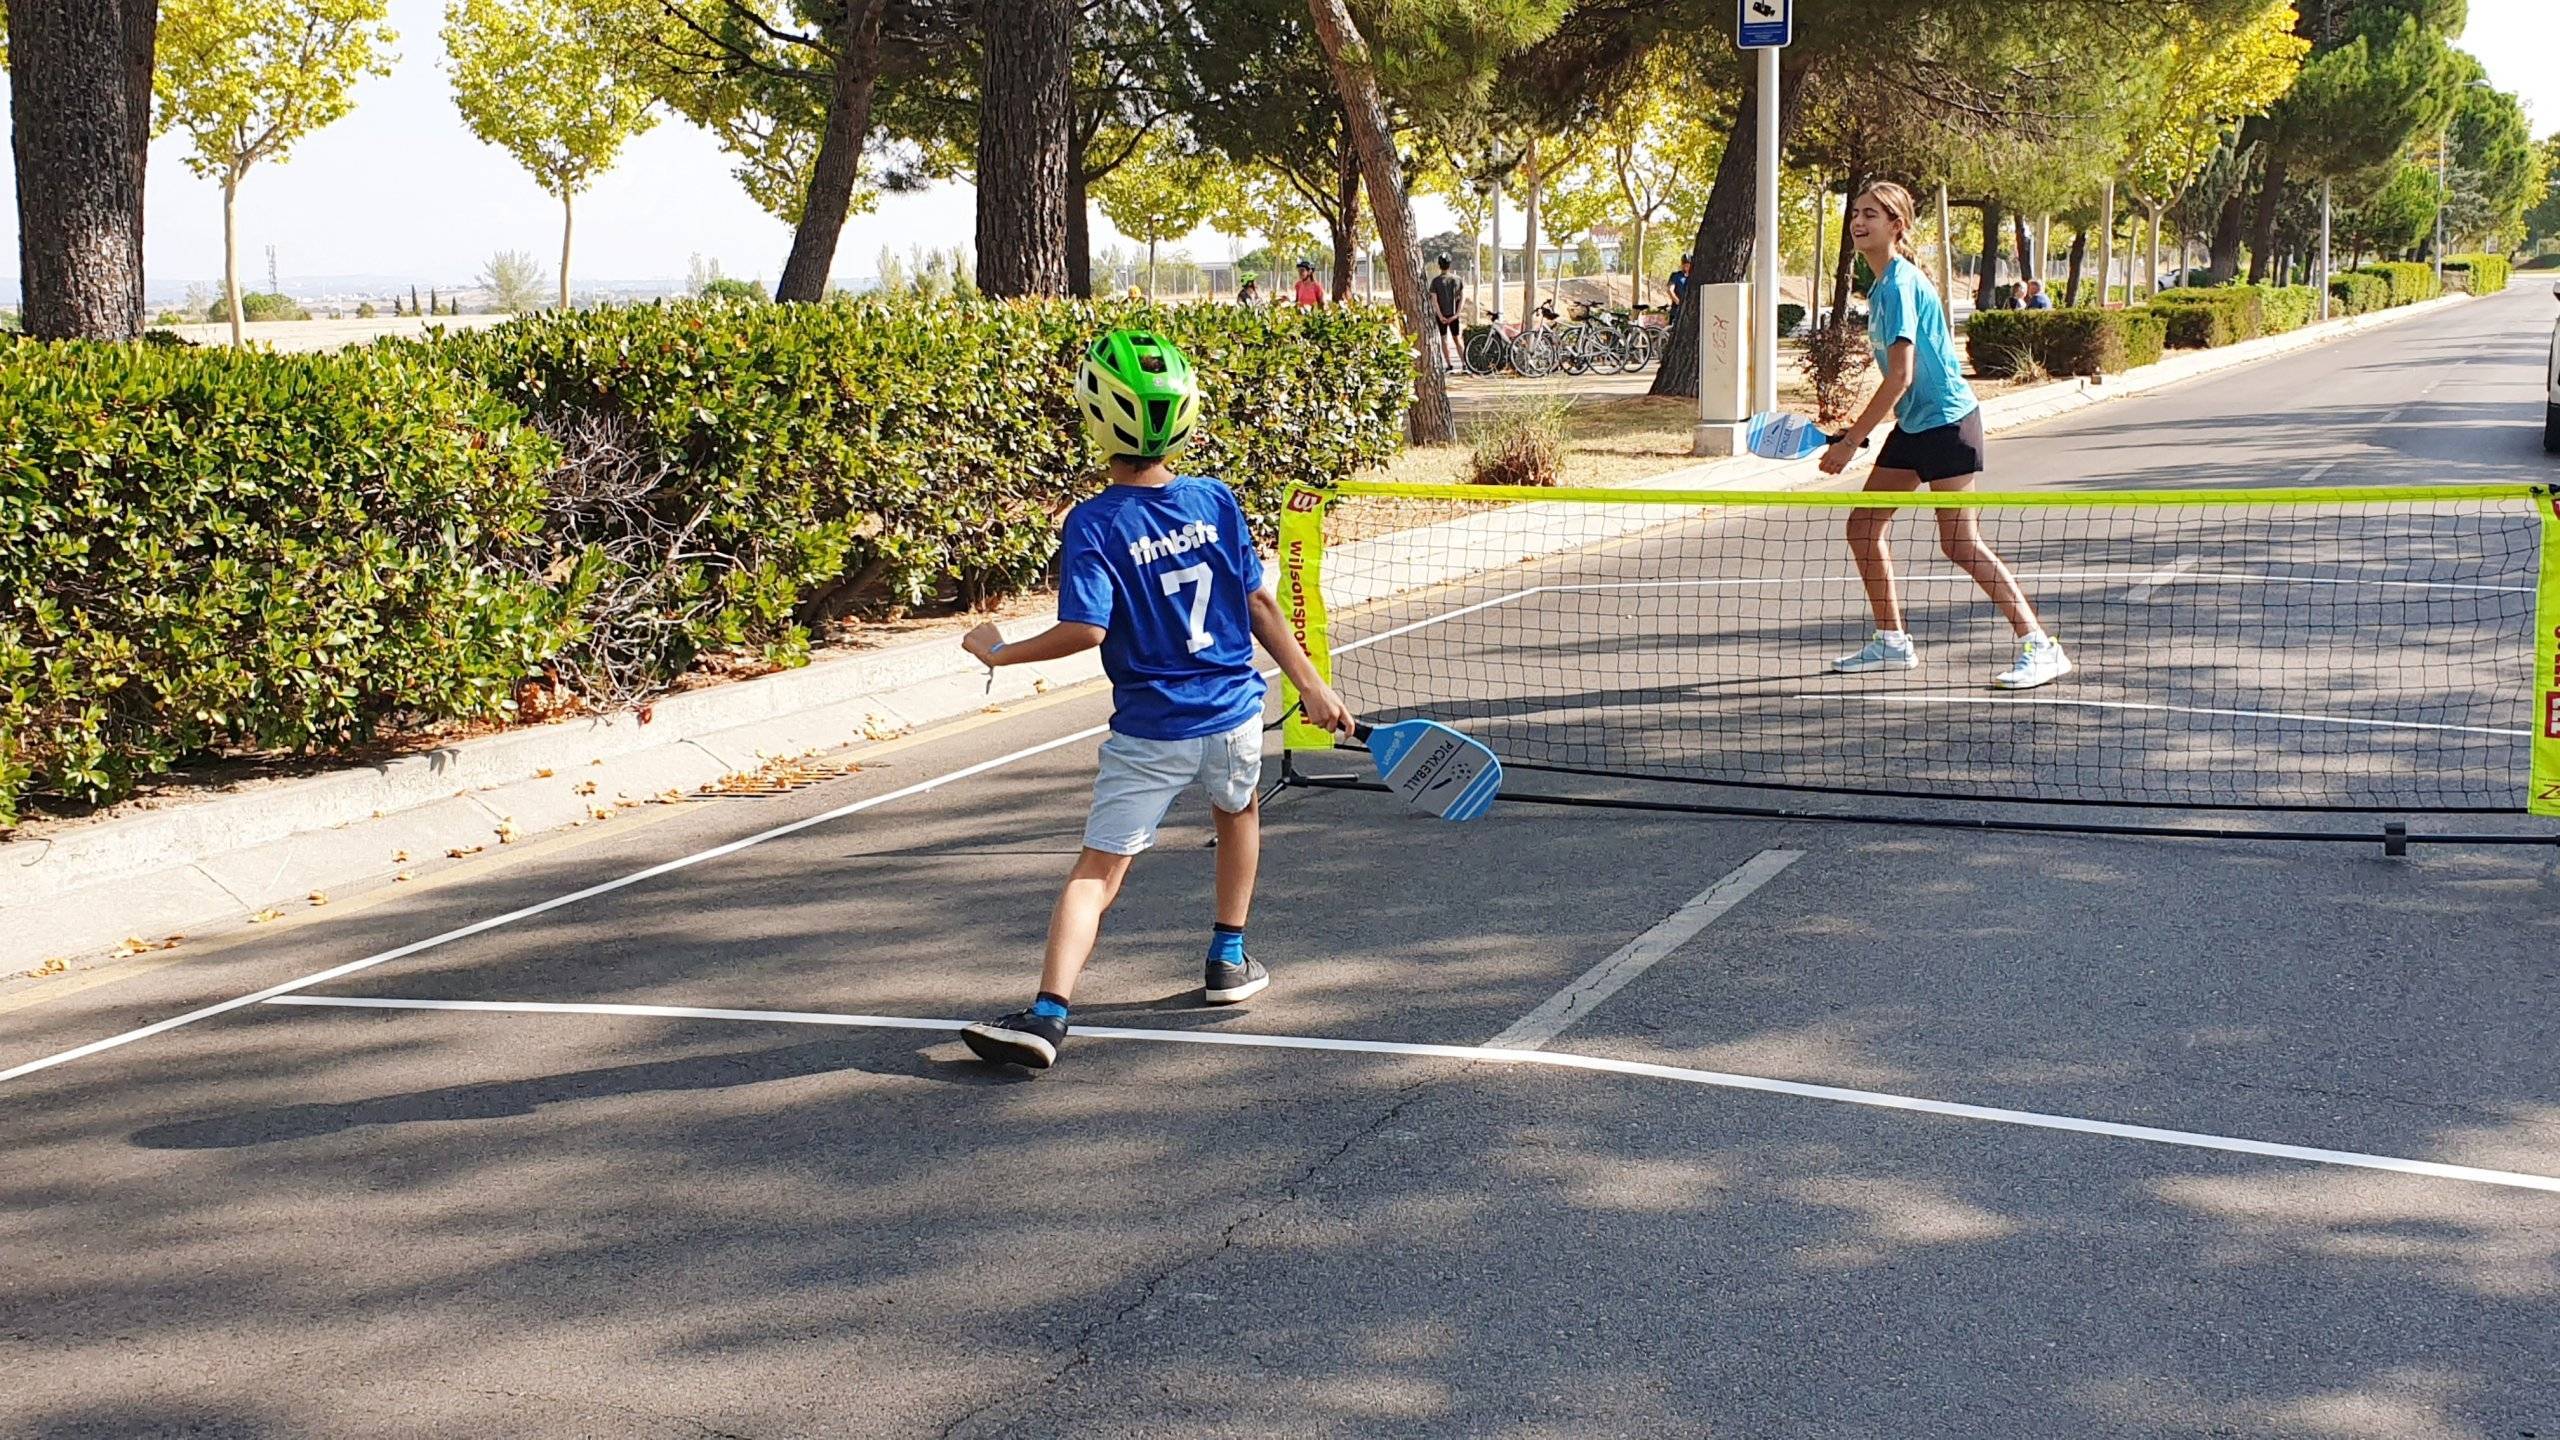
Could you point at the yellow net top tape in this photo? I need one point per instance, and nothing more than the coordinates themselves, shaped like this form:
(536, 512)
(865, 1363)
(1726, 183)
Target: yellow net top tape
(2341, 496)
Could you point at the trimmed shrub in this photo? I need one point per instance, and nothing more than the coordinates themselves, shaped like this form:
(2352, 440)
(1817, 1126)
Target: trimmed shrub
(886, 452)
(2405, 282)
(2188, 325)
(2075, 341)
(2358, 293)
(210, 548)
(1790, 316)
(2288, 307)
(1996, 343)
(2476, 274)
(2146, 338)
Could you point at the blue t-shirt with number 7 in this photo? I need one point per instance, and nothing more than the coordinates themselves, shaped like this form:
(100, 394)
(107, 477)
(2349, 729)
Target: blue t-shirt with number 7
(1168, 572)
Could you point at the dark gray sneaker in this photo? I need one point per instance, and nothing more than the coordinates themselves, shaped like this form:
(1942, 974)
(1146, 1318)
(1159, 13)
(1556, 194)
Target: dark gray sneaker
(1020, 1038)
(1227, 984)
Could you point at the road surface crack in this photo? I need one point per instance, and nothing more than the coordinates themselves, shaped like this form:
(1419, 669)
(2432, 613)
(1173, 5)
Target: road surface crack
(1087, 1344)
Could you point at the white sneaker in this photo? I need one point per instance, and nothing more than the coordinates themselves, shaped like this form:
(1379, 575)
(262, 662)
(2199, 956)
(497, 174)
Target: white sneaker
(2040, 662)
(1883, 652)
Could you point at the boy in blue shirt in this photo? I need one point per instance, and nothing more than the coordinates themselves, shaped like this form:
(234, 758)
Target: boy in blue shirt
(1160, 571)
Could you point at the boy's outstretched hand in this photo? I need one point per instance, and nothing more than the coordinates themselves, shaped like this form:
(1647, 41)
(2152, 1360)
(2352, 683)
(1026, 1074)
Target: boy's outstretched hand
(1325, 710)
(982, 641)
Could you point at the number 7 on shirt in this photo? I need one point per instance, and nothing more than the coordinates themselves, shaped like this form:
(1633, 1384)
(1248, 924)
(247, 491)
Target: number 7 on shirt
(1173, 581)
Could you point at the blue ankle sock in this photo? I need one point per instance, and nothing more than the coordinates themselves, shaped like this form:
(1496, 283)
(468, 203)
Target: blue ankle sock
(1226, 945)
(1049, 1007)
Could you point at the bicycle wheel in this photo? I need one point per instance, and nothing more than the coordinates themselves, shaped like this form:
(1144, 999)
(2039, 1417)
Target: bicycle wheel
(1485, 353)
(1573, 350)
(1608, 355)
(1533, 355)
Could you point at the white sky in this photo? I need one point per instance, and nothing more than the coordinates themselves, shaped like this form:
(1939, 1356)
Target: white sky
(399, 188)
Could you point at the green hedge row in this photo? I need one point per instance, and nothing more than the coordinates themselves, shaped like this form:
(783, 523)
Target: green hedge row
(210, 548)
(204, 550)
(2075, 341)
(2406, 281)
(2478, 274)
(2357, 293)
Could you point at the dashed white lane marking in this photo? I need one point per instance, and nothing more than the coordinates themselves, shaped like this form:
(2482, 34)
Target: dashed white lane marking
(1535, 1029)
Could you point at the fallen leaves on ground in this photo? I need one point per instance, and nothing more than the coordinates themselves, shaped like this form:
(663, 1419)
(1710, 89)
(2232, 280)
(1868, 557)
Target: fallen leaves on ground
(54, 966)
(319, 897)
(263, 916)
(136, 945)
(459, 851)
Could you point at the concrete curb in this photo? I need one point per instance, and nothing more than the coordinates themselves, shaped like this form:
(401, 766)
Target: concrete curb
(155, 872)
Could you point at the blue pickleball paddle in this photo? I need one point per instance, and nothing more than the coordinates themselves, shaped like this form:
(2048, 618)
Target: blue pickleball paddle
(1436, 769)
(1778, 435)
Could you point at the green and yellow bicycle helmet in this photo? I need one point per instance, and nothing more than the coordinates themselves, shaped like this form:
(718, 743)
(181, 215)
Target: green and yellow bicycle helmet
(1138, 394)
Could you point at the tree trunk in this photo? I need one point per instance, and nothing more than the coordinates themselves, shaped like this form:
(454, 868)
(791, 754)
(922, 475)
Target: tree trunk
(1986, 285)
(1529, 238)
(1427, 423)
(1079, 216)
(839, 163)
(80, 111)
(1843, 268)
(1151, 267)
(231, 254)
(2027, 256)
(1025, 109)
(1346, 212)
(2270, 196)
(568, 226)
(1636, 275)
(2079, 257)
(1721, 250)
(2223, 260)
(2151, 284)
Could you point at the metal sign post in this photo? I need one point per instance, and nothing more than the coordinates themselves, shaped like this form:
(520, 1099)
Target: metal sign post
(1766, 26)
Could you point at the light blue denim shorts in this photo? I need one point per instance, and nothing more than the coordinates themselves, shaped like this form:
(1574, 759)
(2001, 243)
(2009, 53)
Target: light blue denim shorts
(1140, 778)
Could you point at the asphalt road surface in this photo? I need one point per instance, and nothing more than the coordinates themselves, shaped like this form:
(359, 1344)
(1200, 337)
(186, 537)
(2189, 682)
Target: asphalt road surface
(1843, 1130)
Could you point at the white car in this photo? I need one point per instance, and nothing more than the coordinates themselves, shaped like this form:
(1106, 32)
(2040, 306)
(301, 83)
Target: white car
(2551, 402)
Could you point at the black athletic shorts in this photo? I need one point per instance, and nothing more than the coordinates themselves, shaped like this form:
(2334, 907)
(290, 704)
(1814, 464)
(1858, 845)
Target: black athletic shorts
(1448, 327)
(1946, 453)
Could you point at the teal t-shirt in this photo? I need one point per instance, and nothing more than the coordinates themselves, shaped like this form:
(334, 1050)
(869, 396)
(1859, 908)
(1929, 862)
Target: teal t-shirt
(1903, 306)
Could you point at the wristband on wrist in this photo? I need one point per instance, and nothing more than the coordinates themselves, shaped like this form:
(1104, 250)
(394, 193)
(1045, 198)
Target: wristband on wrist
(995, 650)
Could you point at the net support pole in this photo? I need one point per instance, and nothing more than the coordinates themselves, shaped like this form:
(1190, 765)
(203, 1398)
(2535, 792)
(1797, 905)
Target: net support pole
(2542, 788)
(1764, 246)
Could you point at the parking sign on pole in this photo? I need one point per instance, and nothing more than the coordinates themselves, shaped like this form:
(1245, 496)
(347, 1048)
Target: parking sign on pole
(1764, 24)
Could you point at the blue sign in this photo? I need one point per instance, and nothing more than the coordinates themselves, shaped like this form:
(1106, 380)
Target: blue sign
(1763, 24)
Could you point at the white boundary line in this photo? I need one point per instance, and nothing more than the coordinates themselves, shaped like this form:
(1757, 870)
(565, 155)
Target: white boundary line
(2152, 582)
(2056, 700)
(1874, 1099)
(1533, 1030)
(528, 912)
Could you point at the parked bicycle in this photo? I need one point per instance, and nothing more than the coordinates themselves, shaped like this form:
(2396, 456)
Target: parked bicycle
(1528, 352)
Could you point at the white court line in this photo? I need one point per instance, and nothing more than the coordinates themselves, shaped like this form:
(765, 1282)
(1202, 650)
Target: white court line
(528, 912)
(2312, 475)
(2152, 582)
(2143, 705)
(1875, 1099)
(1533, 1030)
